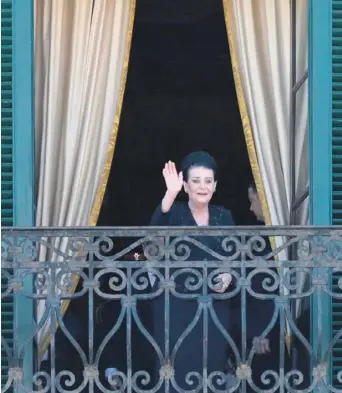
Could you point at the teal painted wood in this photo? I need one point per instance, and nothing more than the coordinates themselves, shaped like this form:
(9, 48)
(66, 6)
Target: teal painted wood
(23, 157)
(336, 170)
(6, 115)
(337, 112)
(6, 165)
(320, 111)
(320, 137)
(23, 116)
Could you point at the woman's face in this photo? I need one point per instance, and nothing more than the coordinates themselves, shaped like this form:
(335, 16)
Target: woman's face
(201, 185)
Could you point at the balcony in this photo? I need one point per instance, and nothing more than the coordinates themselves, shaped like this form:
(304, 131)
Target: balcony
(144, 309)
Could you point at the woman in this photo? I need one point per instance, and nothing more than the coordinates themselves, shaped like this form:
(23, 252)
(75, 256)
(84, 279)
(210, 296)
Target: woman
(195, 355)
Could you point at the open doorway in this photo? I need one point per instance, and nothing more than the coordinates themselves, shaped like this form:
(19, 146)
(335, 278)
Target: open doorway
(180, 97)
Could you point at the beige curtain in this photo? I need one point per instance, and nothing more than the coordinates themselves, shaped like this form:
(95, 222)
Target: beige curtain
(81, 52)
(261, 34)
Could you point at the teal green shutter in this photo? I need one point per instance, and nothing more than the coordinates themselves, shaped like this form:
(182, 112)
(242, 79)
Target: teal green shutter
(17, 161)
(7, 215)
(23, 164)
(337, 113)
(320, 136)
(336, 171)
(325, 97)
(6, 115)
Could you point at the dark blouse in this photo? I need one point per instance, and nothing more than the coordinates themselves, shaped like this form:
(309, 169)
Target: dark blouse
(184, 302)
(180, 215)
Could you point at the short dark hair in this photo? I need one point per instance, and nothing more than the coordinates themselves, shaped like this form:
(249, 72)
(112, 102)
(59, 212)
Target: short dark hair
(198, 159)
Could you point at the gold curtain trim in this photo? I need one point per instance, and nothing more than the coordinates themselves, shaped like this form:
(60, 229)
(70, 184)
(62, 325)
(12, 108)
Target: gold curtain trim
(247, 129)
(95, 211)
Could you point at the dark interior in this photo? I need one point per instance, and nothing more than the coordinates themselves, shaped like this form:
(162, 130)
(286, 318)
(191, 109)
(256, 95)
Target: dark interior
(180, 97)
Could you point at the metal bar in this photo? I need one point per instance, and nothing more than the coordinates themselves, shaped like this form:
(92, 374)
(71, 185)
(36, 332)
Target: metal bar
(301, 82)
(293, 111)
(301, 199)
(123, 286)
(277, 230)
(293, 101)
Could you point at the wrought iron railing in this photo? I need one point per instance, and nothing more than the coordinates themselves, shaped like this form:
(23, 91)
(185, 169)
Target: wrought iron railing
(147, 310)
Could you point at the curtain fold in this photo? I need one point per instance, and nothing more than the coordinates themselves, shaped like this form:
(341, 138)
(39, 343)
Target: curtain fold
(82, 51)
(261, 34)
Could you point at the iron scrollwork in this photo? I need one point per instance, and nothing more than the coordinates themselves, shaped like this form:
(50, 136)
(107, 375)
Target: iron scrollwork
(106, 267)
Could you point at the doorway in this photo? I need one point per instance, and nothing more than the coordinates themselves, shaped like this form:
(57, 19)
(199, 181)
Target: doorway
(180, 97)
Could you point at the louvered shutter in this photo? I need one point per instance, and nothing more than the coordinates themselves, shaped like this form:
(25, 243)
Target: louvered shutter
(6, 164)
(336, 170)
